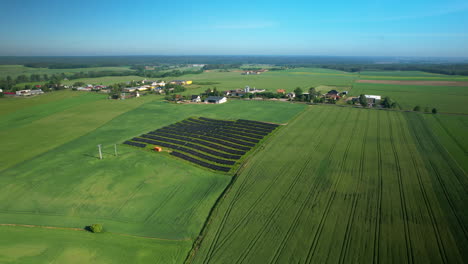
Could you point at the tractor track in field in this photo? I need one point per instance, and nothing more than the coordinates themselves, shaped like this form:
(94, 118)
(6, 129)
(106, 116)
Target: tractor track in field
(429, 209)
(318, 233)
(350, 222)
(299, 213)
(237, 195)
(163, 203)
(439, 177)
(276, 209)
(378, 222)
(408, 242)
(134, 192)
(451, 135)
(83, 230)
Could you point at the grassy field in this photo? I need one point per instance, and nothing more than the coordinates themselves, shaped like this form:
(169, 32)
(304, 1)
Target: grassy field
(341, 185)
(15, 70)
(40, 245)
(55, 178)
(445, 98)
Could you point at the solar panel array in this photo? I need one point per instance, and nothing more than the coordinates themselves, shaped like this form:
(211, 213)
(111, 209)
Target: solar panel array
(210, 143)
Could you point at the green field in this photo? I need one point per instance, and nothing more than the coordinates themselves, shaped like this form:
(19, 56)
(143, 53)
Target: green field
(451, 99)
(334, 184)
(54, 177)
(15, 70)
(40, 245)
(340, 185)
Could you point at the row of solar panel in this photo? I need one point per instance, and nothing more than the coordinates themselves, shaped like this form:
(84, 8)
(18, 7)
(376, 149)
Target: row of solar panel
(199, 162)
(140, 145)
(234, 126)
(210, 139)
(243, 122)
(189, 151)
(208, 132)
(193, 146)
(218, 136)
(213, 130)
(201, 142)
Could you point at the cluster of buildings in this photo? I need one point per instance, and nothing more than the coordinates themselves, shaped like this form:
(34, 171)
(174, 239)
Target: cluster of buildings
(242, 92)
(29, 92)
(255, 72)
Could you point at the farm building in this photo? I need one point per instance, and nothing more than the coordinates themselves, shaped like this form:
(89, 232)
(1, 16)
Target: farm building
(23, 92)
(195, 99)
(280, 91)
(216, 99)
(237, 92)
(180, 82)
(291, 95)
(372, 99)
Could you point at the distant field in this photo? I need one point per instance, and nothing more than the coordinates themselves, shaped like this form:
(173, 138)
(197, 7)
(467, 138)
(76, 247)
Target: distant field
(15, 70)
(57, 180)
(445, 98)
(409, 75)
(341, 185)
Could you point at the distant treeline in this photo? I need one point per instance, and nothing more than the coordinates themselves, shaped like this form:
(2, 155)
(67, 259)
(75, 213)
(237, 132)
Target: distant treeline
(9, 83)
(448, 69)
(222, 66)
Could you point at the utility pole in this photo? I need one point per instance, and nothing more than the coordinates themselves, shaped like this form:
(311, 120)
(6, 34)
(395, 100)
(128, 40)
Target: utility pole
(100, 152)
(115, 148)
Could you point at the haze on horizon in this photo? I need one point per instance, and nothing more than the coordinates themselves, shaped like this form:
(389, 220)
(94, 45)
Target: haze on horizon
(432, 28)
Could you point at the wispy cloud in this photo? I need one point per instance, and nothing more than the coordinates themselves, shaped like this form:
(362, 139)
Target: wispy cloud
(416, 34)
(246, 25)
(432, 12)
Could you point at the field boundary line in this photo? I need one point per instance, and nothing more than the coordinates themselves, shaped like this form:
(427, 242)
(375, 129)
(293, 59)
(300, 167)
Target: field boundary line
(84, 230)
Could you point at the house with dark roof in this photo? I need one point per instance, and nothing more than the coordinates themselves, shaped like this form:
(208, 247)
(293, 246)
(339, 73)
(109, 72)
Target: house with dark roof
(216, 99)
(195, 99)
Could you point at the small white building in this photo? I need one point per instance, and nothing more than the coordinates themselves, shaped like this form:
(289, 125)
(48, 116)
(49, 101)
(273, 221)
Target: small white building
(216, 99)
(375, 97)
(23, 92)
(196, 99)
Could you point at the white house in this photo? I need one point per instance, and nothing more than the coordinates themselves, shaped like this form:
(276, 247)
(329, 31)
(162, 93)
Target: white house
(196, 98)
(216, 99)
(375, 97)
(35, 92)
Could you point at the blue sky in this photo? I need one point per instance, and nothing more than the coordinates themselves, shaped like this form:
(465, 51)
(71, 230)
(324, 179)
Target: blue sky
(432, 28)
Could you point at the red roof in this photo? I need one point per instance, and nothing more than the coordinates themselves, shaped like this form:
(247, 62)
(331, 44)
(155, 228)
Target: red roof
(38, 86)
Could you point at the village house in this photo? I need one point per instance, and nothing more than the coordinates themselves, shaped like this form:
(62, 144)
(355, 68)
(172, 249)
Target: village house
(216, 99)
(280, 91)
(291, 95)
(196, 99)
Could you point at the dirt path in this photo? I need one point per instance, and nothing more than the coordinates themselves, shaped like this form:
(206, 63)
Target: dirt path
(82, 229)
(428, 83)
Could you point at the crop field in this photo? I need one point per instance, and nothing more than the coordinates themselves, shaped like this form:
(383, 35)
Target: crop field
(55, 179)
(451, 132)
(344, 185)
(409, 75)
(451, 99)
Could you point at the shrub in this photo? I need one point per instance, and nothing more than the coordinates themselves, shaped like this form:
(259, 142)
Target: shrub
(434, 111)
(417, 108)
(96, 228)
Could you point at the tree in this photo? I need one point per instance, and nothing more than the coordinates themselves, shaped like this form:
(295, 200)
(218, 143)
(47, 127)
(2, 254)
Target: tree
(298, 91)
(363, 100)
(426, 109)
(313, 92)
(417, 108)
(434, 111)
(96, 228)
